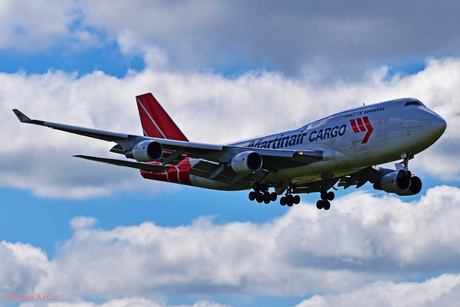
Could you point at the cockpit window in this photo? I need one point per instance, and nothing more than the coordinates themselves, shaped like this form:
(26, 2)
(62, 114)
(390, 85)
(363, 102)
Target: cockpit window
(414, 103)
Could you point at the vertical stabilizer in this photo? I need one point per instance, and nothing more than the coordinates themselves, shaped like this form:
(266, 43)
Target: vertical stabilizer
(155, 121)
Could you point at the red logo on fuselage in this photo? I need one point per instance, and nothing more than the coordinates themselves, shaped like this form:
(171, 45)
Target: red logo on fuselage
(364, 125)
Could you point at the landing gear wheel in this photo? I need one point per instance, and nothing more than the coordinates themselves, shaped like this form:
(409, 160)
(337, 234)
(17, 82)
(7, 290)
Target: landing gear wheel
(319, 204)
(290, 200)
(267, 198)
(296, 199)
(256, 186)
(273, 196)
(252, 195)
(326, 205)
(283, 201)
(260, 197)
(263, 187)
(330, 196)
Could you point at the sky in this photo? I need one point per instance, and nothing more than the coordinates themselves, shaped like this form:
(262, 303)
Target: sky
(97, 235)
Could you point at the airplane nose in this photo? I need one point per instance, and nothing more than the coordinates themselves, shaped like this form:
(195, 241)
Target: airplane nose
(438, 124)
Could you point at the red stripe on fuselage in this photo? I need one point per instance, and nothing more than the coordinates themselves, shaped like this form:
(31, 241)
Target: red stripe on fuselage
(175, 173)
(353, 125)
(369, 129)
(361, 125)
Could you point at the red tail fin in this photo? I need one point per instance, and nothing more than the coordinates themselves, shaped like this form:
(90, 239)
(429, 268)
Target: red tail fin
(155, 121)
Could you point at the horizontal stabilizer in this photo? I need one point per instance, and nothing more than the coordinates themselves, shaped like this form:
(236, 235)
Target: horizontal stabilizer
(142, 166)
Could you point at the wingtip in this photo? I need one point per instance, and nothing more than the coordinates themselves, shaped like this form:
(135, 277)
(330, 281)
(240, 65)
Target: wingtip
(21, 116)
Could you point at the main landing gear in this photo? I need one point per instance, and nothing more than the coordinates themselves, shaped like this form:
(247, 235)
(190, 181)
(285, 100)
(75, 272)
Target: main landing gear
(261, 194)
(324, 202)
(289, 199)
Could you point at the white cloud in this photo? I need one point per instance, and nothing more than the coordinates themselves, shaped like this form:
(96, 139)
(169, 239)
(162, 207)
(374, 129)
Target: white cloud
(439, 291)
(207, 107)
(363, 238)
(21, 268)
(37, 25)
(365, 244)
(124, 302)
(328, 39)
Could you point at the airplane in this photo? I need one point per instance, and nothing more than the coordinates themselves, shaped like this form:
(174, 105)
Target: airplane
(342, 149)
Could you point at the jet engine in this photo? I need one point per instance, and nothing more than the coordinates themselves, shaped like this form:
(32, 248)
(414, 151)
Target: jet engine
(146, 151)
(414, 188)
(246, 162)
(400, 183)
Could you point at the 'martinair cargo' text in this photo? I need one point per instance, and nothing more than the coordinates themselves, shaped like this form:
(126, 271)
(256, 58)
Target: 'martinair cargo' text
(297, 139)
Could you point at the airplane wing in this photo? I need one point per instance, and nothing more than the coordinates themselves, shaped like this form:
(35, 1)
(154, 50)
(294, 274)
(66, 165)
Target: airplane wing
(357, 178)
(141, 166)
(174, 151)
(93, 133)
(125, 141)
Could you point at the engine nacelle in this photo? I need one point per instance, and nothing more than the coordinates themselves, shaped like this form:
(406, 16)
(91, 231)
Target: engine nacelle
(415, 187)
(146, 151)
(246, 162)
(399, 183)
(395, 182)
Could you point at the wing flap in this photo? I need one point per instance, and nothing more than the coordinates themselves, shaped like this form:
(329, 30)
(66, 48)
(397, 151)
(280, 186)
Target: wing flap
(360, 177)
(207, 169)
(281, 159)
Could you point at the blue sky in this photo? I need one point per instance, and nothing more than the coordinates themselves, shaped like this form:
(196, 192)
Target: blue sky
(106, 58)
(224, 71)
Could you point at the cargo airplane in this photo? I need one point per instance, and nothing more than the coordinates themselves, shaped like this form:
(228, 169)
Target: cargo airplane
(341, 149)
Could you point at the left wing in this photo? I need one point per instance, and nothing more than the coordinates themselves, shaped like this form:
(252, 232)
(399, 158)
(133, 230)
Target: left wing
(141, 166)
(357, 178)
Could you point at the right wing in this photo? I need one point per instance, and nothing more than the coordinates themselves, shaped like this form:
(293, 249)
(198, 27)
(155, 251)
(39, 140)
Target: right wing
(93, 133)
(125, 141)
(213, 157)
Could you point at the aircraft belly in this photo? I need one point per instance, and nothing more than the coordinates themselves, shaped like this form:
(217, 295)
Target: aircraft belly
(333, 165)
(312, 172)
(216, 185)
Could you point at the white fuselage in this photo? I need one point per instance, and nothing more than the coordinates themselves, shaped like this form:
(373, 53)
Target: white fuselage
(350, 140)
